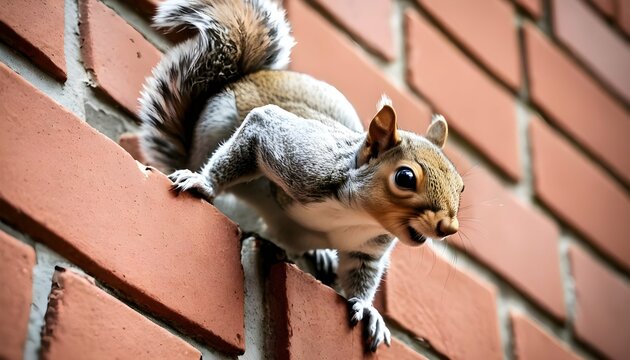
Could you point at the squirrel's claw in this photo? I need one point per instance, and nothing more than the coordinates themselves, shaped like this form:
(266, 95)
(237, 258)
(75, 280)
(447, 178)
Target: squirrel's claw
(186, 180)
(376, 329)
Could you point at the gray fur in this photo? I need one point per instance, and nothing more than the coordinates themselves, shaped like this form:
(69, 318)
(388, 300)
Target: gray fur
(201, 111)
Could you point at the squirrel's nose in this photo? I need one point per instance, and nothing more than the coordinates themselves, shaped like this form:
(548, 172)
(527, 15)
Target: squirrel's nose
(447, 227)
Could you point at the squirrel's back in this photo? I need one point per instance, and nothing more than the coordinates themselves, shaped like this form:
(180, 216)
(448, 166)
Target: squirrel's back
(235, 38)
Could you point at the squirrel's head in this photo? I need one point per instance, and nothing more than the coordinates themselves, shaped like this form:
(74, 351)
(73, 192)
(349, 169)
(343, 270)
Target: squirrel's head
(415, 189)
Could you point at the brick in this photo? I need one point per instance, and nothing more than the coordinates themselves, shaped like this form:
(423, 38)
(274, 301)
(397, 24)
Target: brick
(623, 15)
(16, 279)
(369, 24)
(593, 41)
(580, 194)
(323, 53)
(534, 7)
(433, 300)
(486, 28)
(36, 28)
(531, 342)
(79, 193)
(83, 320)
(131, 143)
(311, 320)
(602, 316)
(607, 7)
(119, 58)
(475, 107)
(573, 100)
(505, 234)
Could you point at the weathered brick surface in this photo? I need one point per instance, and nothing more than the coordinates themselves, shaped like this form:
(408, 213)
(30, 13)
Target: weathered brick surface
(573, 100)
(562, 178)
(131, 143)
(84, 196)
(82, 319)
(322, 52)
(16, 280)
(453, 311)
(311, 321)
(476, 107)
(119, 58)
(607, 7)
(370, 24)
(534, 7)
(486, 28)
(623, 15)
(36, 28)
(602, 316)
(531, 342)
(506, 234)
(598, 45)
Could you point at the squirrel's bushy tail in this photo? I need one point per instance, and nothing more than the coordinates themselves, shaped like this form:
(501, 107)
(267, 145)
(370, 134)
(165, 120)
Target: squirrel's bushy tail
(235, 38)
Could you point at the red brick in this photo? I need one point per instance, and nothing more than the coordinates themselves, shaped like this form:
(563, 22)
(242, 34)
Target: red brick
(577, 104)
(453, 311)
(119, 58)
(81, 194)
(534, 7)
(506, 235)
(486, 28)
(594, 42)
(475, 107)
(323, 53)
(36, 28)
(623, 15)
(369, 24)
(83, 321)
(578, 192)
(16, 279)
(607, 7)
(312, 321)
(531, 342)
(131, 143)
(602, 316)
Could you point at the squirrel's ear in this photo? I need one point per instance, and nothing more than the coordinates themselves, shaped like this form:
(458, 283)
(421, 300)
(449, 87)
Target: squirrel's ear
(383, 133)
(437, 131)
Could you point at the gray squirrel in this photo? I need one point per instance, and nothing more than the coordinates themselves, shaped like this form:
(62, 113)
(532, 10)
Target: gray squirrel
(221, 113)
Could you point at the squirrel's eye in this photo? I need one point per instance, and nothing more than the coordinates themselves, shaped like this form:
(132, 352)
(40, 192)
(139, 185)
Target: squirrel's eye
(405, 178)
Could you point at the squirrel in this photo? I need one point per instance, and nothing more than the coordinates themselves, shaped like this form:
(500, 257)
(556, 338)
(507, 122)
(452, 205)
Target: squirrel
(222, 113)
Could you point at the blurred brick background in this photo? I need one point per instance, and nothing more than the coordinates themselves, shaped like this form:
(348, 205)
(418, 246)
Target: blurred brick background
(537, 94)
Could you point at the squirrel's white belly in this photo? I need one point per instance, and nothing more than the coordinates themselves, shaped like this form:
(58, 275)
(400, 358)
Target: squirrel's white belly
(344, 228)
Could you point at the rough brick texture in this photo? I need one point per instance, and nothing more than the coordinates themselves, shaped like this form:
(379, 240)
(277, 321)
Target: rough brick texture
(454, 312)
(573, 100)
(369, 23)
(531, 342)
(321, 52)
(310, 320)
(536, 94)
(82, 319)
(599, 46)
(506, 234)
(16, 273)
(602, 315)
(486, 28)
(77, 191)
(475, 106)
(119, 58)
(560, 174)
(36, 28)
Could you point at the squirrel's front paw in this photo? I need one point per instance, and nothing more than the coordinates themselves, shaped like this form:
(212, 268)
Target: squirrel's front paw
(186, 180)
(377, 331)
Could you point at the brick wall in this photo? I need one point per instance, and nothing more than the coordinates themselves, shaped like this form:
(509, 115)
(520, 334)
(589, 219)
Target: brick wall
(99, 258)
